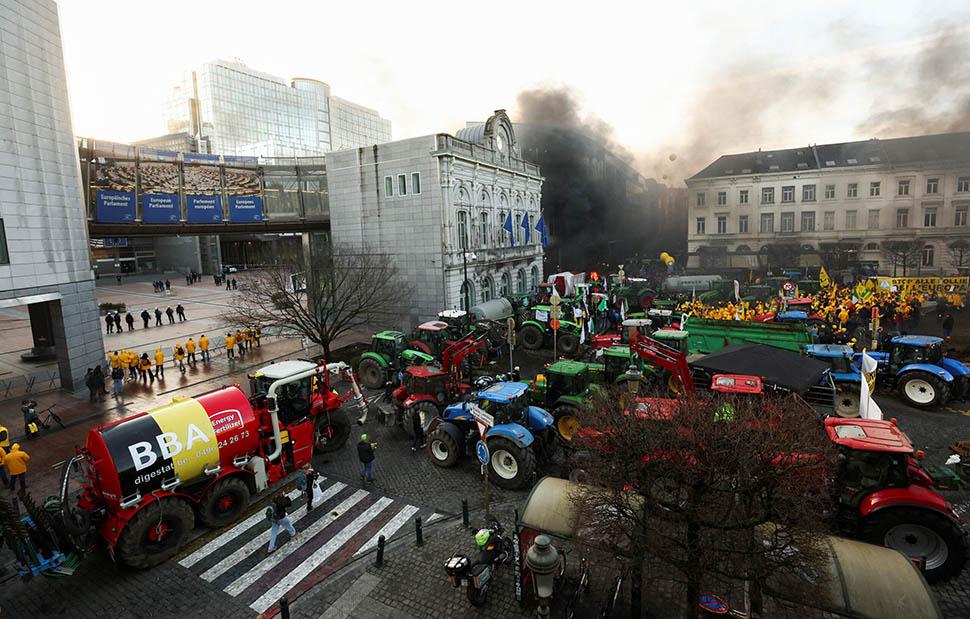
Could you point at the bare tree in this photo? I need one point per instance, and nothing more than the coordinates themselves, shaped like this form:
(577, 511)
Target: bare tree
(959, 254)
(721, 489)
(902, 254)
(344, 290)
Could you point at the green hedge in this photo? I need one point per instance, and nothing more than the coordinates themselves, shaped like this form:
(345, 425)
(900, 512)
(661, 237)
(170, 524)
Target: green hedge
(112, 307)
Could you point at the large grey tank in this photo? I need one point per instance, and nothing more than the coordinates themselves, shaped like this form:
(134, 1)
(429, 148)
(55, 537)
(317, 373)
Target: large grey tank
(496, 309)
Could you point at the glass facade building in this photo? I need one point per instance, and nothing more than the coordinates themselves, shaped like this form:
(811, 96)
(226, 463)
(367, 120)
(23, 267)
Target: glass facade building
(236, 110)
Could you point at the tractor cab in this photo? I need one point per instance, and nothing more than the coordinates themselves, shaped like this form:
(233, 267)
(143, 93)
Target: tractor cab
(506, 402)
(617, 361)
(873, 455)
(292, 399)
(388, 344)
(431, 337)
(456, 320)
(566, 378)
(907, 349)
(426, 380)
(838, 356)
(673, 338)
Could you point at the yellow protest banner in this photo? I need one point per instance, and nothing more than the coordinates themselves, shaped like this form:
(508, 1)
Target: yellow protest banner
(823, 278)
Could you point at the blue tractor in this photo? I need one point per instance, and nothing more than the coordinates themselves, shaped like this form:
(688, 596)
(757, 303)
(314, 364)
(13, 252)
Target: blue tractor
(518, 435)
(845, 373)
(916, 366)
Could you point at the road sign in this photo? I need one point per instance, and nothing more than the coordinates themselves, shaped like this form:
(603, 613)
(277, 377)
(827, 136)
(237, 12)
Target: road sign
(481, 450)
(480, 415)
(788, 286)
(554, 324)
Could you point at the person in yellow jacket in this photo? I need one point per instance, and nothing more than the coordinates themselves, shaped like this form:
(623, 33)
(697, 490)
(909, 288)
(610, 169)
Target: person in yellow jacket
(190, 350)
(241, 342)
(16, 463)
(3, 470)
(133, 364)
(178, 356)
(230, 344)
(256, 334)
(115, 359)
(145, 367)
(159, 363)
(249, 337)
(204, 347)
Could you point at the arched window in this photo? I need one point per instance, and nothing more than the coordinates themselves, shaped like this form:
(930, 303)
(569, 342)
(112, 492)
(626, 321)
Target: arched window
(535, 278)
(485, 228)
(462, 230)
(488, 289)
(743, 249)
(501, 236)
(872, 246)
(519, 231)
(520, 281)
(505, 285)
(467, 294)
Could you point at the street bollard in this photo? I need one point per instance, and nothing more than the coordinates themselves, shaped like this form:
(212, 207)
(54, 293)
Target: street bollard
(418, 533)
(379, 560)
(464, 513)
(284, 608)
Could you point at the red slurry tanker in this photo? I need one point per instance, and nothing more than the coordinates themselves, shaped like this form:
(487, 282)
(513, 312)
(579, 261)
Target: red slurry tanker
(145, 480)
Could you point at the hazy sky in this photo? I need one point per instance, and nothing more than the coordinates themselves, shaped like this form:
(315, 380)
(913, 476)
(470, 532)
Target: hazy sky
(656, 72)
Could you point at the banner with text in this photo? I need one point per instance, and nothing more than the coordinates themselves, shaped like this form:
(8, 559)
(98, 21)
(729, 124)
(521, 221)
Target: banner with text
(203, 209)
(245, 209)
(115, 206)
(160, 208)
(925, 285)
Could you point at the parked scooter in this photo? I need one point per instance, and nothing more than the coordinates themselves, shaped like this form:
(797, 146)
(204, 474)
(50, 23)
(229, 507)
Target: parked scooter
(494, 548)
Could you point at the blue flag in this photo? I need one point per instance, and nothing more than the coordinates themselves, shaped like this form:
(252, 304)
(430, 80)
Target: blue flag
(541, 227)
(507, 226)
(527, 227)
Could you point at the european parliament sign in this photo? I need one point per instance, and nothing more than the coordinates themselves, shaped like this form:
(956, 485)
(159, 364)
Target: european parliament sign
(203, 209)
(245, 209)
(160, 208)
(115, 206)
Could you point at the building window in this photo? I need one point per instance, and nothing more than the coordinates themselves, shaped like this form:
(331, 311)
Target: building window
(701, 198)
(700, 225)
(852, 190)
(767, 223)
(505, 285)
(520, 281)
(927, 258)
(721, 198)
(463, 230)
(467, 295)
(828, 220)
(788, 222)
(960, 216)
(743, 196)
(402, 184)
(902, 218)
(872, 246)
(808, 222)
(388, 187)
(415, 182)
(808, 193)
(722, 224)
(902, 188)
(929, 218)
(830, 192)
(874, 219)
(850, 220)
(874, 189)
(932, 185)
(488, 289)
(767, 195)
(788, 194)
(535, 278)
(485, 228)
(743, 224)
(963, 184)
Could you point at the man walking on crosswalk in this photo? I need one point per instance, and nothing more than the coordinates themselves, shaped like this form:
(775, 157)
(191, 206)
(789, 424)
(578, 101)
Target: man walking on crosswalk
(278, 519)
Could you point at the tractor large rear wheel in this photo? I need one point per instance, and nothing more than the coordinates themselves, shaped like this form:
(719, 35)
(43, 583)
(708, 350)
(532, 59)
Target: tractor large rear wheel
(443, 448)
(510, 466)
(847, 401)
(921, 534)
(155, 534)
(332, 431)
(567, 421)
(426, 411)
(372, 374)
(224, 502)
(531, 337)
(923, 390)
(568, 343)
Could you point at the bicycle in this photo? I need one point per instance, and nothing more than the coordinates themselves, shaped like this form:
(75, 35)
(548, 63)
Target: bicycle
(611, 603)
(51, 416)
(582, 588)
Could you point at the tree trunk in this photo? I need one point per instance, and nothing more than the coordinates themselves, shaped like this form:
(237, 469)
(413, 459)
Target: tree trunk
(694, 572)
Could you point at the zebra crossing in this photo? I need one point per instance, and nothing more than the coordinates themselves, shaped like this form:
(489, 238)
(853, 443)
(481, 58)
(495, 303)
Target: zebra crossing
(344, 523)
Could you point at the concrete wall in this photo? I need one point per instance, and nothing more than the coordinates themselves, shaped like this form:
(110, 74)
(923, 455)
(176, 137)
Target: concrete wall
(41, 203)
(179, 253)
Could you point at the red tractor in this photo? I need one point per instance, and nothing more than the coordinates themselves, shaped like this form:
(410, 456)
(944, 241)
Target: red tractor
(433, 338)
(145, 480)
(426, 390)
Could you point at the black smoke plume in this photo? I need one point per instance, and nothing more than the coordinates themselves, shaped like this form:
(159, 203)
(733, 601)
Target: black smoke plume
(599, 209)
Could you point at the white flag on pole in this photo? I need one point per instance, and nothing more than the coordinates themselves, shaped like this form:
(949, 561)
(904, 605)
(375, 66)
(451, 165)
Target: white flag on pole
(868, 409)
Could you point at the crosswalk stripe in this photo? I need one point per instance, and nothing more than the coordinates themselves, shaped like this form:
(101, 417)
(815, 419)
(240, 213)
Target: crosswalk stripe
(433, 517)
(390, 528)
(224, 538)
(271, 561)
(254, 544)
(319, 556)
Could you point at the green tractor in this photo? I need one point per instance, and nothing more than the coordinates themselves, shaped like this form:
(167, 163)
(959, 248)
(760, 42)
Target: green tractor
(563, 388)
(535, 330)
(388, 353)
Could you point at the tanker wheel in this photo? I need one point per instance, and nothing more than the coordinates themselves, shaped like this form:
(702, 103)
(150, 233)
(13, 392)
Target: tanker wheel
(847, 402)
(426, 412)
(372, 375)
(155, 534)
(921, 534)
(531, 337)
(443, 448)
(224, 502)
(568, 344)
(332, 431)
